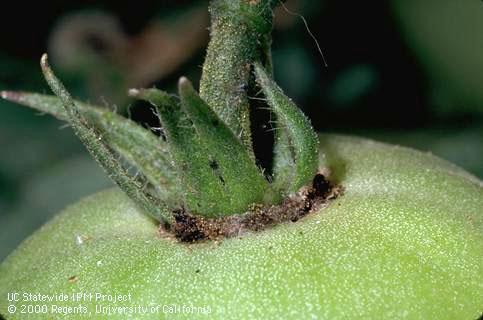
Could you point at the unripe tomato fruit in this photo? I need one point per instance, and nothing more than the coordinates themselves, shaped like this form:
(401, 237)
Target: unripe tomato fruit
(404, 240)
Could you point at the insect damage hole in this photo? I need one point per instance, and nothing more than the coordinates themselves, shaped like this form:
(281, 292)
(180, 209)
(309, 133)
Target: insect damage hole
(191, 228)
(216, 170)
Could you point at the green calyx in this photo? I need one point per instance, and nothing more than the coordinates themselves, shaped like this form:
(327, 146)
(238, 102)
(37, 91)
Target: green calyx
(216, 172)
(205, 163)
(296, 146)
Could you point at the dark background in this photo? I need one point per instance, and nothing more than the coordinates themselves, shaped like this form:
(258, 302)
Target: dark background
(406, 72)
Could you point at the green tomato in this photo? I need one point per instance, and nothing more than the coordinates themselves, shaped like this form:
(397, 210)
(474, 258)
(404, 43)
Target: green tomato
(405, 240)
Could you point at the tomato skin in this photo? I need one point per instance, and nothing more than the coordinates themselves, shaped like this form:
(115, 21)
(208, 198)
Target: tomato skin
(405, 240)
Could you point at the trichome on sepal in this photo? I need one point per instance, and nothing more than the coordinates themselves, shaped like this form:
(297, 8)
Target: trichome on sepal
(202, 166)
(100, 151)
(296, 145)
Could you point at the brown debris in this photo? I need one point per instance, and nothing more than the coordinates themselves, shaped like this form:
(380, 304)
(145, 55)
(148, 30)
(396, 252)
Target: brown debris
(191, 228)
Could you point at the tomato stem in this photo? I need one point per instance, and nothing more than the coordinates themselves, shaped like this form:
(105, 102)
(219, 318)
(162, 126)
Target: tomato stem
(240, 35)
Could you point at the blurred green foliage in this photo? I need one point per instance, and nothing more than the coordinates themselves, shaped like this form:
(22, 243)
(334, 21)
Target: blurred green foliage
(447, 37)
